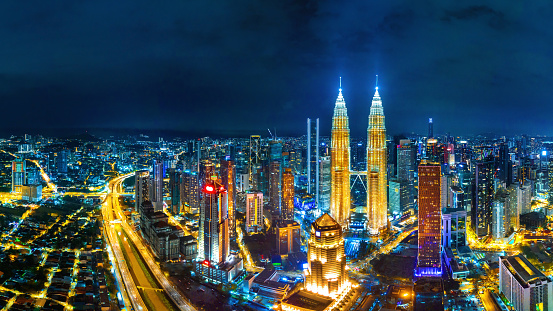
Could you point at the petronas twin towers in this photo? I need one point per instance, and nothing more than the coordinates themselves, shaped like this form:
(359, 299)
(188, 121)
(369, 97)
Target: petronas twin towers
(340, 195)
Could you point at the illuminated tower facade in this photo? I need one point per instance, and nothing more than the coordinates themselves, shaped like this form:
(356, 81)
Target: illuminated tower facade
(18, 175)
(213, 237)
(255, 155)
(228, 178)
(287, 210)
(340, 201)
(430, 214)
(326, 258)
(377, 201)
(254, 211)
(313, 158)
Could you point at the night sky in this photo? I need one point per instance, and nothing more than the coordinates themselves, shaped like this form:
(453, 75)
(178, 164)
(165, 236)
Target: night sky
(239, 67)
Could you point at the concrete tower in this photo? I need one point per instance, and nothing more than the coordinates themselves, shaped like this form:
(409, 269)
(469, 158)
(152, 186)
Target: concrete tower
(340, 201)
(377, 201)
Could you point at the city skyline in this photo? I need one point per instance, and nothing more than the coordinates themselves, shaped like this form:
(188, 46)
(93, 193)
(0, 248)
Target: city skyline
(460, 64)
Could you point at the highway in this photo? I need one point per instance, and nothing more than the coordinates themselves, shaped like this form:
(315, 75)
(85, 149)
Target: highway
(115, 189)
(129, 292)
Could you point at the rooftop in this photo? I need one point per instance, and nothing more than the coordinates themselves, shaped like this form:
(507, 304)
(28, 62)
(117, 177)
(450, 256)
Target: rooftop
(522, 269)
(307, 300)
(326, 222)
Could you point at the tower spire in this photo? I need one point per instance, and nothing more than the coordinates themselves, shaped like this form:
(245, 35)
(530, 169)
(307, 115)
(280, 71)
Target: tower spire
(376, 84)
(376, 88)
(340, 83)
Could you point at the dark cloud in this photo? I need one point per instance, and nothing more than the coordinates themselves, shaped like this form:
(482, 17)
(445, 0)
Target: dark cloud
(243, 66)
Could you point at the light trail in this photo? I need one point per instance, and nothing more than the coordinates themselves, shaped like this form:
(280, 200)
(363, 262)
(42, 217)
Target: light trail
(169, 288)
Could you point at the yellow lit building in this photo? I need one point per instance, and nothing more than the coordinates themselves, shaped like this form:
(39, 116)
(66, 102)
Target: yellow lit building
(340, 201)
(326, 259)
(287, 204)
(377, 201)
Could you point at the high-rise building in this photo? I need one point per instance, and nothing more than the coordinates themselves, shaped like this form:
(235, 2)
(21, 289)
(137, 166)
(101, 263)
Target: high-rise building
(189, 191)
(287, 210)
(214, 262)
(313, 158)
(550, 179)
(289, 238)
(156, 195)
(19, 175)
(505, 165)
(430, 128)
(524, 286)
(254, 211)
(61, 161)
(340, 195)
(141, 188)
(174, 190)
(377, 202)
(275, 186)
(524, 199)
(228, 178)
(324, 185)
(429, 259)
(213, 236)
(255, 155)
(481, 217)
(454, 228)
(326, 259)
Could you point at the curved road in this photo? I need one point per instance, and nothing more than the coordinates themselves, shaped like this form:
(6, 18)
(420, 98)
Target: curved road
(172, 293)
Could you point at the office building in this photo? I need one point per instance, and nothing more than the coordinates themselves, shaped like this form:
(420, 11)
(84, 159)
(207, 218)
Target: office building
(525, 287)
(327, 274)
(324, 185)
(377, 201)
(340, 195)
(254, 211)
(174, 190)
(429, 259)
(275, 186)
(287, 204)
(156, 195)
(213, 237)
(141, 188)
(454, 228)
(19, 175)
(214, 263)
(481, 217)
(189, 192)
(313, 158)
(228, 179)
(255, 155)
(288, 237)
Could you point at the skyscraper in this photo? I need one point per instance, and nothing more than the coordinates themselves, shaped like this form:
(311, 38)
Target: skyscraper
(189, 191)
(313, 158)
(156, 195)
(214, 262)
(141, 188)
(430, 128)
(481, 217)
(19, 175)
(324, 185)
(174, 190)
(213, 237)
(228, 178)
(274, 186)
(255, 155)
(377, 201)
(287, 204)
(326, 258)
(429, 260)
(254, 211)
(340, 195)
